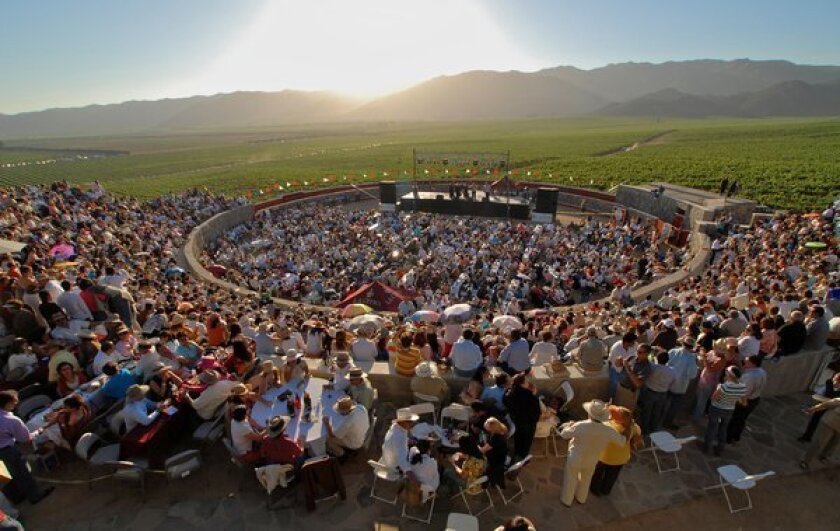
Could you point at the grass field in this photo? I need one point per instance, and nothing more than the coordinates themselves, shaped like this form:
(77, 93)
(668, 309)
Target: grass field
(787, 163)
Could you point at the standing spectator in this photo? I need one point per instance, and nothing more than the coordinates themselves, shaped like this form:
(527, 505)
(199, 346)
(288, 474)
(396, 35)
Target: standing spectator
(621, 350)
(832, 390)
(496, 451)
(524, 407)
(713, 365)
(684, 362)
(653, 399)
(754, 379)
(589, 439)
(13, 432)
(614, 455)
(666, 337)
(816, 327)
(721, 408)
(827, 437)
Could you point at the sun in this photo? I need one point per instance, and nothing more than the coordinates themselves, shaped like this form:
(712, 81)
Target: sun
(364, 49)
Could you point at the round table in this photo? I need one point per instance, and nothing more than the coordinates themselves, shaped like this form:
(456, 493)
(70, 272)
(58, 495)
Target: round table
(313, 433)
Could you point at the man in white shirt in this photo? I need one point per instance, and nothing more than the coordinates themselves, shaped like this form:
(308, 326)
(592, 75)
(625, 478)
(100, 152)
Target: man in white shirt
(211, 398)
(624, 349)
(347, 431)
(363, 349)
(465, 356)
(516, 356)
(543, 351)
(589, 438)
(138, 409)
(341, 371)
(243, 435)
(395, 444)
(106, 353)
(72, 303)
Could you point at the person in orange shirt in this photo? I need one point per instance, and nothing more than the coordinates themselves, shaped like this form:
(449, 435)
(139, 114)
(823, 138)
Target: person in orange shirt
(407, 356)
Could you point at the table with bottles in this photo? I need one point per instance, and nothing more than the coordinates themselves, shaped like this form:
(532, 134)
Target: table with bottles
(309, 427)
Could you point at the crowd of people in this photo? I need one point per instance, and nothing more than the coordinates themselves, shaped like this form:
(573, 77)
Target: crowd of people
(308, 253)
(96, 311)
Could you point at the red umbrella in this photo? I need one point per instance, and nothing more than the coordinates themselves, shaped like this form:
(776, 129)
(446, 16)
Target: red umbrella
(217, 270)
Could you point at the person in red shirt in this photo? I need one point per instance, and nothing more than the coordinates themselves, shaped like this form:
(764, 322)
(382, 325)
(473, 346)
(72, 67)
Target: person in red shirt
(279, 449)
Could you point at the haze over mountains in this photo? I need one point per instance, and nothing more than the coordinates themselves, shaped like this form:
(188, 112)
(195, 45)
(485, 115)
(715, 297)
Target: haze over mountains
(699, 88)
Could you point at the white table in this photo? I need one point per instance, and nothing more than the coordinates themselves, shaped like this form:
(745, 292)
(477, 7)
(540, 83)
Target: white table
(86, 392)
(422, 430)
(313, 433)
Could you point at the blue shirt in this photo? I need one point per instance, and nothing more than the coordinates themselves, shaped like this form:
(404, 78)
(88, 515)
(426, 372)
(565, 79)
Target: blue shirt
(684, 363)
(495, 393)
(118, 384)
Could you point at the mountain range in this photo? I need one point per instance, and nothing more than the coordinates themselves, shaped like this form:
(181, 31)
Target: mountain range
(700, 88)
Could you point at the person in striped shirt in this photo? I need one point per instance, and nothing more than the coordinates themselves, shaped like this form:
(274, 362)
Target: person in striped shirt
(721, 408)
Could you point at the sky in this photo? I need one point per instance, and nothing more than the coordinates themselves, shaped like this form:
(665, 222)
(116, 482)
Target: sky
(65, 53)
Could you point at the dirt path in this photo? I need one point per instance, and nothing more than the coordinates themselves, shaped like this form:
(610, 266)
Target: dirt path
(653, 139)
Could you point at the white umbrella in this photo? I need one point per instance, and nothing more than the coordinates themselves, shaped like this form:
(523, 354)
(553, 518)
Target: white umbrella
(426, 316)
(457, 313)
(367, 321)
(507, 322)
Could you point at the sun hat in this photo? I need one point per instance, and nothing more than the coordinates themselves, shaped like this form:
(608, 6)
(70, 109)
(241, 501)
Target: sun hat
(423, 370)
(277, 425)
(344, 405)
(597, 410)
(405, 415)
(356, 373)
(137, 392)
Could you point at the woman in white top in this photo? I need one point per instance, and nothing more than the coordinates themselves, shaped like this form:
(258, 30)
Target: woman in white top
(243, 435)
(425, 468)
(363, 349)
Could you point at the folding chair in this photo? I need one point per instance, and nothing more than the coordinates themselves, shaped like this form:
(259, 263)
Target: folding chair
(425, 407)
(382, 472)
(547, 432)
(455, 412)
(734, 476)
(461, 522)
(512, 474)
(462, 492)
(182, 465)
(431, 501)
(209, 431)
(33, 405)
(664, 442)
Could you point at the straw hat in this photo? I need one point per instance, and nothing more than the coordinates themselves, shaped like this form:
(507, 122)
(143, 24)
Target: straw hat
(405, 415)
(344, 405)
(423, 370)
(597, 410)
(177, 319)
(277, 425)
(136, 392)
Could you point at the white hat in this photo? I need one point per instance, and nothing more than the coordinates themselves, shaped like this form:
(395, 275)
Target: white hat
(597, 410)
(423, 370)
(406, 415)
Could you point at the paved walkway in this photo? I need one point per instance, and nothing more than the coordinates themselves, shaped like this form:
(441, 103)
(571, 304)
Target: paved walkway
(222, 497)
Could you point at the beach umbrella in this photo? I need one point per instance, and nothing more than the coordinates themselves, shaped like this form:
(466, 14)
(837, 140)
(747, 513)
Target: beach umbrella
(815, 245)
(425, 316)
(507, 322)
(175, 270)
(353, 310)
(457, 313)
(366, 322)
(62, 250)
(535, 312)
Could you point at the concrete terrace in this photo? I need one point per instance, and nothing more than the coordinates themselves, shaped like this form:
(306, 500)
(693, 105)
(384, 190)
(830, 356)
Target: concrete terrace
(222, 497)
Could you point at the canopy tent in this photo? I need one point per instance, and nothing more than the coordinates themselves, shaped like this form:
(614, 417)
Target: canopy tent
(376, 295)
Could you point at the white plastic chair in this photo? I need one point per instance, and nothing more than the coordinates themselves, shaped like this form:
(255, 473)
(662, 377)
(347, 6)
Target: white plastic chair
(90, 450)
(425, 408)
(568, 395)
(664, 442)
(455, 412)
(512, 473)
(384, 473)
(430, 501)
(734, 476)
(461, 522)
(462, 492)
(547, 432)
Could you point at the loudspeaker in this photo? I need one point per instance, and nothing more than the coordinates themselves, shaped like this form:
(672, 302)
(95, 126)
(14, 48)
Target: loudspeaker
(546, 201)
(388, 192)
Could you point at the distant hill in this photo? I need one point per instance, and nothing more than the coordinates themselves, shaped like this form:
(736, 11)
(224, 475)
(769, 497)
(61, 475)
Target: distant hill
(792, 98)
(238, 109)
(704, 77)
(483, 95)
(686, 88)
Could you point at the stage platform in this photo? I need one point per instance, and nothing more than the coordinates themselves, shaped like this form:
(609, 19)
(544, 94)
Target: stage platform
(492, 206)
